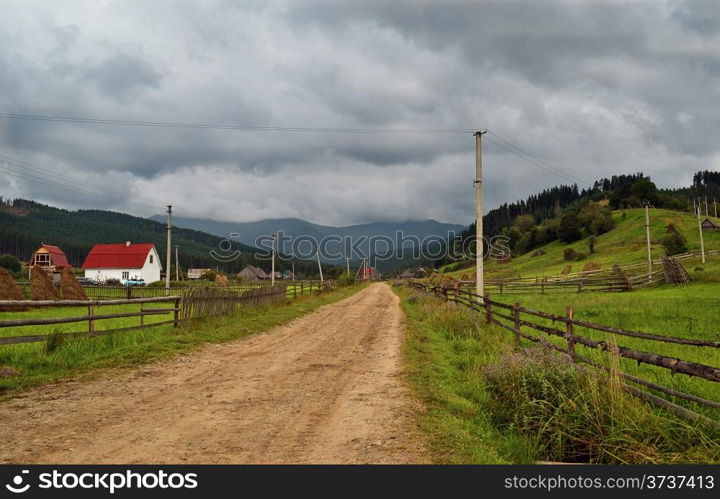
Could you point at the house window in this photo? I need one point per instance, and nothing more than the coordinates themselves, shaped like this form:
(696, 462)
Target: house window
(126, 275)
(151, 258)
(42, 259)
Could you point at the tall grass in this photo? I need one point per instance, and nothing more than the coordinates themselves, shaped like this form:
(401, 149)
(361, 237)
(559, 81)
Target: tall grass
(491, 402)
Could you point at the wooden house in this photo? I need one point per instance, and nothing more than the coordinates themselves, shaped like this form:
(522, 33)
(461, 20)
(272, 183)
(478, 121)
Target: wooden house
(51, 258)
(708, 224)
(252, 273)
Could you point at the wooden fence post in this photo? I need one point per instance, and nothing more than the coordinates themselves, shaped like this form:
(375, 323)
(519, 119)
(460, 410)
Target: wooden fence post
(129, 292)
(570, 332)
(176, 313)
(142, 317)
(516, 313)
(91, 321)
(488, 307)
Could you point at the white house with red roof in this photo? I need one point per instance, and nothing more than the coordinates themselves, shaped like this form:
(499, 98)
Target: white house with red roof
(122, 262)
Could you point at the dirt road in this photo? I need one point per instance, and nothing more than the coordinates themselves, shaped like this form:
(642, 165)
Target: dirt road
(326, 388)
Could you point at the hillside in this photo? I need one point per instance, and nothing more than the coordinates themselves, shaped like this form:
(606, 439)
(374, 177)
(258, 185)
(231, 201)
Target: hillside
(25, 224)
(623, 244)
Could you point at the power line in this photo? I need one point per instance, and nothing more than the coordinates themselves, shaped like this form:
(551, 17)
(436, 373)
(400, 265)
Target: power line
(248, 128)
(530, 158)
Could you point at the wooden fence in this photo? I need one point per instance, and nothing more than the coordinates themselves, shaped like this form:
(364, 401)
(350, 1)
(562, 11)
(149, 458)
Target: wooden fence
(192, 303)
(515, 317)
(621, 277)
(294, 288)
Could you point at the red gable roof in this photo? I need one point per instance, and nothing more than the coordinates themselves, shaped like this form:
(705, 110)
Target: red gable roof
(118, 256)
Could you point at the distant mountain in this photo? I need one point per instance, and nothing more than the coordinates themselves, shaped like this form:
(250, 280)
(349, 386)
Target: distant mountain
(249, 232)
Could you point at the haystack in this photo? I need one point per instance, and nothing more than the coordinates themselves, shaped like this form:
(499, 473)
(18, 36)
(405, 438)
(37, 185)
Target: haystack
(8, 289)
(41, 285)
(566, 269)
(592, 266)
(221, 281)
(71, 289)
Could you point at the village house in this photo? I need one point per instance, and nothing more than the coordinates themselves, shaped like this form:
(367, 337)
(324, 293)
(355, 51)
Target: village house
(123, 262)
(252, 273)
(50, 258)
(708, 224)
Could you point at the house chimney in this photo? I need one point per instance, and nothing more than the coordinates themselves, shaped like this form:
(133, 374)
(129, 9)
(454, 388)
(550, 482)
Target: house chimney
(127, 243)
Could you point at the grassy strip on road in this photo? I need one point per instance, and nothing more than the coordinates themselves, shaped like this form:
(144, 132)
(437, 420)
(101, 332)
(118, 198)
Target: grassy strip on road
(583, 419)
(40, 363)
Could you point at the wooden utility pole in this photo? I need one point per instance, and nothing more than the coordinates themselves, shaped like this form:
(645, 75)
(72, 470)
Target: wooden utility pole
(479, 247)
(272, 268)
(707, 213)
(347, 264)
(293, 269)
(702, 241)
(177, 265)
(319, 265)
(169, 247)
(647, 236)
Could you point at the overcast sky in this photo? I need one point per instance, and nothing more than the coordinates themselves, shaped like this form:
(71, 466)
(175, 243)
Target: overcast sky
(593, 88)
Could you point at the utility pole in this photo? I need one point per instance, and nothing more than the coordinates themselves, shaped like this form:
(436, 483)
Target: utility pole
(347, 264)
(319, 266)
(647, 235)
(293, 269)
(707, 213)
(479, 249)
(177, 265)
(272, 269)
(169, 247)
(702, 241)
(715, 207)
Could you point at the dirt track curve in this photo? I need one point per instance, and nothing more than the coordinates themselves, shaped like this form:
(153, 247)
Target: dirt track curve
(326, 388)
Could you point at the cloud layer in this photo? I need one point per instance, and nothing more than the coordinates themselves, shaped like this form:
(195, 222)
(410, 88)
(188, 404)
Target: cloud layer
(595, 88)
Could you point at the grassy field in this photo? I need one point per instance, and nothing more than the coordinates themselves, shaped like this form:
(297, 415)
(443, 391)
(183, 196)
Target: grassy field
(624, 244)
(43, 362)
(448, 348)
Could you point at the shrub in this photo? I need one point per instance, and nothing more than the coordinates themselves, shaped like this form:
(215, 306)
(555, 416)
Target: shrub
(674, 243)
(591, 244)
(10, 263)
(569, 230)
(346, 279)
(570, 254)
(209, 275)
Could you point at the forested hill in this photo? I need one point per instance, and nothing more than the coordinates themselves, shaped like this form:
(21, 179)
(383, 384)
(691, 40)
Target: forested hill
(25, 224)
(622, 191)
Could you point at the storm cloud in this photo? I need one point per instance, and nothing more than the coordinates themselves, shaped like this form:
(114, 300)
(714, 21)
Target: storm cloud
(593, 88)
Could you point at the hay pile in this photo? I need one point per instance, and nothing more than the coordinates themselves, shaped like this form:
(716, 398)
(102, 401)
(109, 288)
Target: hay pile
(592, 266)
(9, 290)
(566, 269)
(71, 289)
(221, 281)
(41, 285)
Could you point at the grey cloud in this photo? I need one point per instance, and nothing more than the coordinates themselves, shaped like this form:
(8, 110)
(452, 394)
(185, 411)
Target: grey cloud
(595, 87)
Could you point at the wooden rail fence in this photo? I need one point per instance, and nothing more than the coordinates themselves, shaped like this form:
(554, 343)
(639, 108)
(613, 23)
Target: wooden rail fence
(514, 318)
(191, 303)
(621, 277)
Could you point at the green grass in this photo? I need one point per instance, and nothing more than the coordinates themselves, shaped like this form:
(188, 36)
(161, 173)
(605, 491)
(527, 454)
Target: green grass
(40, 363)
(447, 350)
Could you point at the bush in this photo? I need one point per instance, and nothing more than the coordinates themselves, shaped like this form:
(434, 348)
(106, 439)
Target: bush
(674, 243)
(570, 255)
(569, 230)
(10, 263)
(209, 275)
(346, 279)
